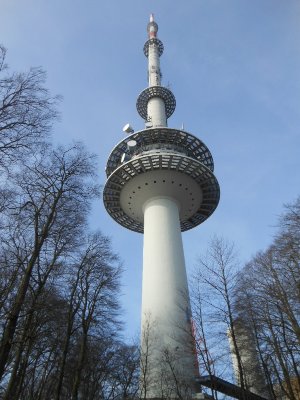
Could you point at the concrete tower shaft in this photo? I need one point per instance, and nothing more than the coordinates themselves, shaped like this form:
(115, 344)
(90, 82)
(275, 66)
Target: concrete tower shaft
(252, 370)
(162, 185)
(153, 54)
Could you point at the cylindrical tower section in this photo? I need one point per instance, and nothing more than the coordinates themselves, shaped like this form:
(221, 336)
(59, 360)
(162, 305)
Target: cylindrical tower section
(154, 65)
(156, 111)
(252, 371)
(167, 342)
(156, 103)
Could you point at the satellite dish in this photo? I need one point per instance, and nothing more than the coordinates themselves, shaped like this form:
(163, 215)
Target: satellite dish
(131, 145)
(128, 128)
(148, 124)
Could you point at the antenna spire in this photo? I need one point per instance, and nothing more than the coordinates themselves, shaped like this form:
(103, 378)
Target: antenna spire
(156, 103)
(152, 27)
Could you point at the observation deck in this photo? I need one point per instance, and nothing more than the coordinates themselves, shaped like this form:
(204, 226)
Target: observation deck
(165, 162)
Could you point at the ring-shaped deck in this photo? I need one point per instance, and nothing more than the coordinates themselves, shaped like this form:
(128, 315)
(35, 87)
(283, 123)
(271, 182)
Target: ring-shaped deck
(152, 42)
(155, 91)
(166, 139)
(193, 169)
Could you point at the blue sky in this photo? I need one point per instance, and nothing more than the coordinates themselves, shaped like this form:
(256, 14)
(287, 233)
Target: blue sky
(234, 67)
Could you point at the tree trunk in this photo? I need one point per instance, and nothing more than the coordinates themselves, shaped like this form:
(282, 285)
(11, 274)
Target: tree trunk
(10, 328)
(79, 367)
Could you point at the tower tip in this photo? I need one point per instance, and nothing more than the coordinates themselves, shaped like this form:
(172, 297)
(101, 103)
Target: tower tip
(152, 27)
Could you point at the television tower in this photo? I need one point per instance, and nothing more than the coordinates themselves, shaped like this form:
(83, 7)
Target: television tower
(160, 182)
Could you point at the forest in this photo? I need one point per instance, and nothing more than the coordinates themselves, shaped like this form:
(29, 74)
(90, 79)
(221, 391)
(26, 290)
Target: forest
(60, 309)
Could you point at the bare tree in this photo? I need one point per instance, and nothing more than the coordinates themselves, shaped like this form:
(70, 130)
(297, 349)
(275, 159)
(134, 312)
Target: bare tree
(146, 351)
(218, 271)
(276, 340)
(98, 293)
(27, 112)
(124, 373)
(203, 333)
(46, 219)
(38, 349)
(59, 305)
(268, 293)
(40, 344)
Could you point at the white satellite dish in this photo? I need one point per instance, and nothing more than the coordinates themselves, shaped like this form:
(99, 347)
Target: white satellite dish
(148, 124)
(131, 145)
(128, 128)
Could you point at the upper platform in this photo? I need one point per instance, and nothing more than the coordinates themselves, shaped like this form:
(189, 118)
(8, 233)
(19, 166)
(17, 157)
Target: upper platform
(153, 42)
(161, 139)
(155, 91)
(165, 163)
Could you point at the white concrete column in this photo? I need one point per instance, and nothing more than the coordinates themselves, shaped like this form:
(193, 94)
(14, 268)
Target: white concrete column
(154, 66)
(156, 110)
(252, 370)
(165, 302)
